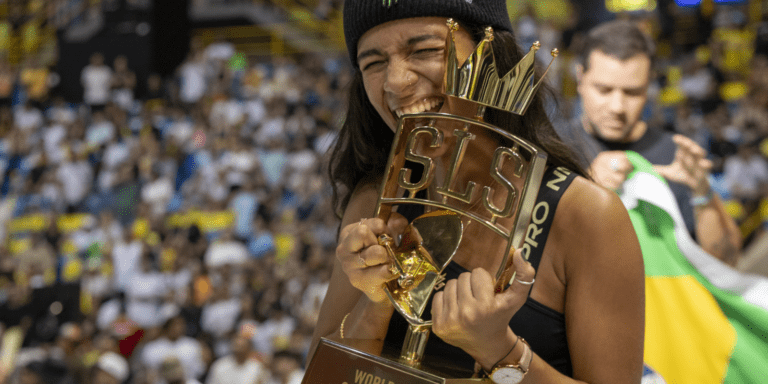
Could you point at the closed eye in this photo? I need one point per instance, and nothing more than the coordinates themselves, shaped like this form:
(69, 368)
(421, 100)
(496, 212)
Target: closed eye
(427, 52)
(375, 55)
(372, 64)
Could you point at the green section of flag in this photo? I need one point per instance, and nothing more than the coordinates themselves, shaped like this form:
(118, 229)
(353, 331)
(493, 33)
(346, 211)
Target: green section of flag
(664, 258)
(657, 228)
(749, 361)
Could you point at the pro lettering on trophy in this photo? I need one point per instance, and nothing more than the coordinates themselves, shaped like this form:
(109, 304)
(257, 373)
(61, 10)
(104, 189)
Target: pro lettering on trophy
(464, 178)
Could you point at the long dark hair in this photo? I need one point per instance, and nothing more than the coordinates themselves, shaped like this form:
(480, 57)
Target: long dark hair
(361, 150)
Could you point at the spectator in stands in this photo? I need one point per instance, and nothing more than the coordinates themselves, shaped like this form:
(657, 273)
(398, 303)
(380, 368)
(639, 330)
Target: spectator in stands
(225, 250)
(28, 116)
(156, 95)
(752, 114)
(100, 131)
(244, 204)
(126, 259)
(239, 367)
(110, 368)
(227, 113)
(59, 112)
(286, 368)
(274, 333)
(220, 49)
(172, 372)
(37, 261)
(192, 80)
(123, 83)
(7, 82)
(219, 315)
(173, 342)
(145, 293)
(746, 174)
(157, 192)
(36, 80)
(96, 79)
(76, 177)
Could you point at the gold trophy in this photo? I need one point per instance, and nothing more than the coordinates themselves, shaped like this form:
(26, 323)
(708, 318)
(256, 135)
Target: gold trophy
(469, 179)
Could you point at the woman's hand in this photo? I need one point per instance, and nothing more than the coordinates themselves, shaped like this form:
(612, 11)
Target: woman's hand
(364, 261)
(469, 315)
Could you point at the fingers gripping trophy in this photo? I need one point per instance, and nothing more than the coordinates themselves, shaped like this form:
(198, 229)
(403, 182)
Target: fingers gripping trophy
(462, 179)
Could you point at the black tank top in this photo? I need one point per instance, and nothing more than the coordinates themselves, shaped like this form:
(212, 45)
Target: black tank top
(542, 327)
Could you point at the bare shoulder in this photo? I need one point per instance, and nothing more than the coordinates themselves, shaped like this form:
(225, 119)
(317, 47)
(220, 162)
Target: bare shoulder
(588, 206)
(591, 223)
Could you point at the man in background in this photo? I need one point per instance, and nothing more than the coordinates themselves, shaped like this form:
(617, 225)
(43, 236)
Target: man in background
(613, 74)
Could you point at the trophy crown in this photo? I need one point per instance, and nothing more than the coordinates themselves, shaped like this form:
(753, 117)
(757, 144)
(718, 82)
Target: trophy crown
(478, 80)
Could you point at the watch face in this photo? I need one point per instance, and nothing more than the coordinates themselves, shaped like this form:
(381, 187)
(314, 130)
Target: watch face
(507, 375)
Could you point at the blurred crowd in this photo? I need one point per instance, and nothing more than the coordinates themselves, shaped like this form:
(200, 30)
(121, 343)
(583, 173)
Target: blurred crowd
(184, 233)
(171, 223)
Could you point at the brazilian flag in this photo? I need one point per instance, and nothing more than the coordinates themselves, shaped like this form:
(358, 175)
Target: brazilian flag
(705, 322)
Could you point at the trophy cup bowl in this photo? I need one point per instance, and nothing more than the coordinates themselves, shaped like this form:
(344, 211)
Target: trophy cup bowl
(425, 248)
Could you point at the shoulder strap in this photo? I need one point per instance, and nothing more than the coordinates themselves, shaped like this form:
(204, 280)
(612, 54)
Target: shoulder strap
(556, 180)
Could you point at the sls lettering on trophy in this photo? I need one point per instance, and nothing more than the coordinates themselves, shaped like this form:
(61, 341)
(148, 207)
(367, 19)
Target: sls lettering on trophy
(503, 158)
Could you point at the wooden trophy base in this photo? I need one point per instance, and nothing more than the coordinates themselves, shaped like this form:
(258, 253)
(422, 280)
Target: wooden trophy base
(336, 363)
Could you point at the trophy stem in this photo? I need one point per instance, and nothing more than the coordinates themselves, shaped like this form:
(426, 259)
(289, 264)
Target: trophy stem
(414, 344)
(480, 112)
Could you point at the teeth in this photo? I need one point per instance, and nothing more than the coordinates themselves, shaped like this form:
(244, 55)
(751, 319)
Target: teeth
(418, 107)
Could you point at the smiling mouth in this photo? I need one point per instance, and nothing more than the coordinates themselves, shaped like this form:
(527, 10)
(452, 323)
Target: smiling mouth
(430, 104)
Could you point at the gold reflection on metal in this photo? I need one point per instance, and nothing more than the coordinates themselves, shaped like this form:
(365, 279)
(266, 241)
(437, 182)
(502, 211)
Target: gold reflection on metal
(426, 247)
(458, 156)
(498, 159)
(478, 79)
(426, 162)
(414, 344)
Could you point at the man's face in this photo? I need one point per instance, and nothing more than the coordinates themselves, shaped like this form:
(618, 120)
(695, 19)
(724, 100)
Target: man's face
(614, 93)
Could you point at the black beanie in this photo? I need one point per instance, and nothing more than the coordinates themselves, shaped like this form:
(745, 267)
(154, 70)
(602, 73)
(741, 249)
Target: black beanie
(362, 15)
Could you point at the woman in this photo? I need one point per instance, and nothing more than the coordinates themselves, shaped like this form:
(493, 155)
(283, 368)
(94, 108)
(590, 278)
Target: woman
(588, 289)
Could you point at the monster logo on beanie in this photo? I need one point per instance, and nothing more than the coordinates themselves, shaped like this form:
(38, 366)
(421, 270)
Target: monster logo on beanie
(362, 15)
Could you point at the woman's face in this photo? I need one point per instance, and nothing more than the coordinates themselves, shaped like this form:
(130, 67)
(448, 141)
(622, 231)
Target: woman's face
(403, 64)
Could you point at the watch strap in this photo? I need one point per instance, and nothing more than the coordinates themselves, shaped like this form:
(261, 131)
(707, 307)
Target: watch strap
(525, 360)
(523, 365)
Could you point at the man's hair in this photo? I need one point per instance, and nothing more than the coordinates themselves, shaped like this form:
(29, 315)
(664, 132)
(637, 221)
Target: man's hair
(621, 39)
(361, 150)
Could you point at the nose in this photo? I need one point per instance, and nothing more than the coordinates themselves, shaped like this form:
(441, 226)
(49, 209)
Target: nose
(616, 102)
(399, 77)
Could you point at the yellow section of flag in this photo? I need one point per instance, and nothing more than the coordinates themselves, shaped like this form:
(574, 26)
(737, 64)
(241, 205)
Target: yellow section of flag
(688, 339)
